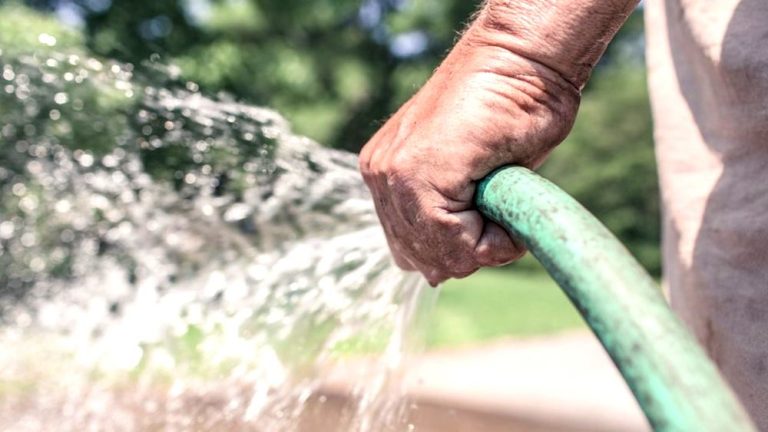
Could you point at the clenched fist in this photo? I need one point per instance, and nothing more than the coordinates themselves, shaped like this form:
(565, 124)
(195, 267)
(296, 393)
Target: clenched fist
(497, 99)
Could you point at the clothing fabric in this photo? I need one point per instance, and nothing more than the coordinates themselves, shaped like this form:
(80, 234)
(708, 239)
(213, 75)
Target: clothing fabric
(708, 77)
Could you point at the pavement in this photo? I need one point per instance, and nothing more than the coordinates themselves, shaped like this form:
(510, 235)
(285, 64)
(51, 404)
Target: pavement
(564, 382)
(567, 379)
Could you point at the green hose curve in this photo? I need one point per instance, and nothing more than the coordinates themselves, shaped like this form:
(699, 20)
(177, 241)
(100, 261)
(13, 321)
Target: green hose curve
(677, 386)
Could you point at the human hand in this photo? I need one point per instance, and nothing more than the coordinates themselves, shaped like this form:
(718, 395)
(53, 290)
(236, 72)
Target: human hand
(484, 108)
(506, 94)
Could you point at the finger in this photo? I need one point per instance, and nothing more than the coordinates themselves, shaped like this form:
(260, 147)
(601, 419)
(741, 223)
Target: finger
(395, 248)
(400, 259)
(496, 247)
(434, 276)
(382, 206)
(447, 249)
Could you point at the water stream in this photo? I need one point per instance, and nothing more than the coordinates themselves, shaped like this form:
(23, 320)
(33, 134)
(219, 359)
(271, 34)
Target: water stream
(176, 261)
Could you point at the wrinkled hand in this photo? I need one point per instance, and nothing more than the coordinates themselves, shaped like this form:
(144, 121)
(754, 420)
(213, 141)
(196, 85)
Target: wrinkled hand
(484, 107)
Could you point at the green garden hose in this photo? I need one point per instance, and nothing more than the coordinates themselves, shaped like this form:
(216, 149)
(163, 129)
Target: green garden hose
(677, 386)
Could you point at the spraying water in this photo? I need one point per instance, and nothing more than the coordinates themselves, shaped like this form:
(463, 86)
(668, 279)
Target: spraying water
(170, 261)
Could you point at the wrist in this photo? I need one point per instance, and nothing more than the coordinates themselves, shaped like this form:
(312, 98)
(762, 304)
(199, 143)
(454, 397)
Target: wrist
(568, 37)
(519, 109)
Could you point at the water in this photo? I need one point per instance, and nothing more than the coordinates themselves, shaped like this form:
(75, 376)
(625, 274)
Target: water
(173, 261)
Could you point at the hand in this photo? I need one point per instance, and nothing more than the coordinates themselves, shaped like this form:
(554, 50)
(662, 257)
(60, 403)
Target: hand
(484, 107)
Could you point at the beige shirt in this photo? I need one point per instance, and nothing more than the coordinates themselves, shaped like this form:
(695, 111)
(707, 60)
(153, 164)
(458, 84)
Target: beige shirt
(708, 76)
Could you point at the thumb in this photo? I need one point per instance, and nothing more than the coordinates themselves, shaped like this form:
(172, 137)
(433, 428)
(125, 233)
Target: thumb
(496, 247)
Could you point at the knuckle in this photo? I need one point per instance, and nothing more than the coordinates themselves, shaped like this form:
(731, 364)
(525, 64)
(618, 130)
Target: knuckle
(401, 159)
(365, 159)
(364, 165)
(396, 174)
(403, 164)
(447, 224)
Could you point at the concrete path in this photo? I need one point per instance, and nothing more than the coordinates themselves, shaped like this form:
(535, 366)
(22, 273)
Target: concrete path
(565, 380)
(556, 383)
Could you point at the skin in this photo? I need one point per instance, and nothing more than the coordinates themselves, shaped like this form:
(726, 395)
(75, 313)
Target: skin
(507, 93)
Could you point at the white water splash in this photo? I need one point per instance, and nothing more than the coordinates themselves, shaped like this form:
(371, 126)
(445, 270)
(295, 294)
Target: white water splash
(211, 292)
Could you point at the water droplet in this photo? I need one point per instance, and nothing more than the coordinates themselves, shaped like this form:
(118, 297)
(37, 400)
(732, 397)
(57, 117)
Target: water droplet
(94, 65)
(7, 228)
(85, 159)
(54, 114)
(8, 73)
(236, 212)
(46, 39)
(67, 236)
(28, 239)
(63, 206)
(19, 189)
(109, 161)
(22, 147)
(61, 98)
(36, 264)
(9, 130)
(201, 146)
(22, 93)
(28, 204)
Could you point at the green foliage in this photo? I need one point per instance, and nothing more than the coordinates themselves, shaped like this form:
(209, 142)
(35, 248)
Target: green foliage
(495, 303)
(22, 30)
(131, 30)
(332, 68)
(327, 65)
(66, 116)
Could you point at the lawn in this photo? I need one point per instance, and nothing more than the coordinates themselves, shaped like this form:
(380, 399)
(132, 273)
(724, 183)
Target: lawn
(496, 303)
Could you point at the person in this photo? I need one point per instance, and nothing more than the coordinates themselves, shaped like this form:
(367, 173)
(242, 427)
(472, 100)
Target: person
(508, 93)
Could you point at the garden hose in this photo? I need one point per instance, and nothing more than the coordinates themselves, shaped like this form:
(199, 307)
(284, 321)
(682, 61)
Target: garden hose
(675, 383)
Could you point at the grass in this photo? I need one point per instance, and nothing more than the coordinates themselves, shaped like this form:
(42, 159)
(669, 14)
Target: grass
(496, 303)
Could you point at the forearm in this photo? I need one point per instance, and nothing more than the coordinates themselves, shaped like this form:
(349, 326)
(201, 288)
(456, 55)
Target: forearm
(567, 36)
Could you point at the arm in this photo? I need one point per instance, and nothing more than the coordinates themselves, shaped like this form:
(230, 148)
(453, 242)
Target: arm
(507, 93)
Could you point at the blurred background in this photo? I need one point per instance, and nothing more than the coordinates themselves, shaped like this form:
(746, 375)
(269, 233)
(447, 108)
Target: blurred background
(337, 68)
